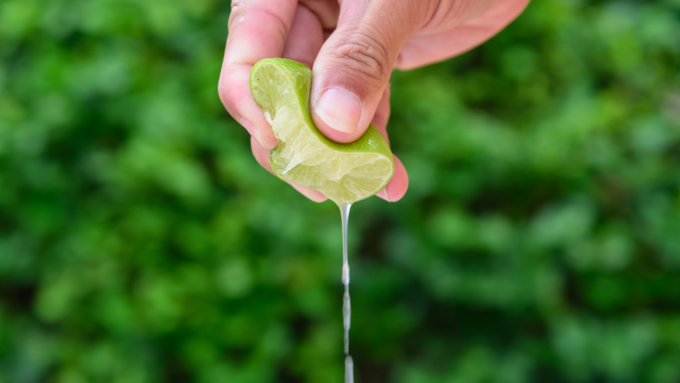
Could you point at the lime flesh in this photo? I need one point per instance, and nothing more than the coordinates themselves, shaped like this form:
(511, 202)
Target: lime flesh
(345, 173)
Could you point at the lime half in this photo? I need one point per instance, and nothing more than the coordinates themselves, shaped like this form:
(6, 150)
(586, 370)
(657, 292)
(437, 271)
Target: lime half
(345, 173)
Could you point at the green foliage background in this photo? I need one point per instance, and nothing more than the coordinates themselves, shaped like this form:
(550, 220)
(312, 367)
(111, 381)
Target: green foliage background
(141, 242)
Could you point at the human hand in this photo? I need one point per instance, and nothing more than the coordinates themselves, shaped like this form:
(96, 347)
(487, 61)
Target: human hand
(352, 47)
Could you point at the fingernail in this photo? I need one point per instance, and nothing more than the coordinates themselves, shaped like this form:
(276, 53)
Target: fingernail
(309, 193)
(256, 133)
(339, 109)
(383, 194)
(251, 129)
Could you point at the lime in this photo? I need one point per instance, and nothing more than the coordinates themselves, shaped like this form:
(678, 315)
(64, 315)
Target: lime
(345, 173)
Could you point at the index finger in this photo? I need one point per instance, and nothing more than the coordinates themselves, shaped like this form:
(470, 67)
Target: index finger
(258, 29)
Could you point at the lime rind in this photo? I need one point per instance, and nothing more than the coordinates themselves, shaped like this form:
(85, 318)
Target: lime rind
(345, 173)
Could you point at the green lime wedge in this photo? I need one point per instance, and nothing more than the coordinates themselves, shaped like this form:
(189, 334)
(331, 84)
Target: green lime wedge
(345, 173)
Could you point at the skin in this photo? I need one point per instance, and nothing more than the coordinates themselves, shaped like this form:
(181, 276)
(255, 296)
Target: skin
(352, 46)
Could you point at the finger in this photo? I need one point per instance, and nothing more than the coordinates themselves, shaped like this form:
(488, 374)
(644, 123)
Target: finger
(427, 49)
(396, 188)
(355, 63)
(258, 29)
(261, 154)
(382, 113)
(305, 37)
(326, 10)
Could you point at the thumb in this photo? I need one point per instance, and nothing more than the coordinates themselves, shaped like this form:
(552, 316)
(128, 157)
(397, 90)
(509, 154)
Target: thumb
(355, 63)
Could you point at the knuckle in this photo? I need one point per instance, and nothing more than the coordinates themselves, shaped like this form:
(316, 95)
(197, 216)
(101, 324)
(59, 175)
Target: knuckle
(366, 55)
(237, 8)
(242, 9)
(224, 91)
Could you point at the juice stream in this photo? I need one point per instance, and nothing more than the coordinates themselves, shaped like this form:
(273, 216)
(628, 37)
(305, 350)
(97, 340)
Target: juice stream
(346, 305)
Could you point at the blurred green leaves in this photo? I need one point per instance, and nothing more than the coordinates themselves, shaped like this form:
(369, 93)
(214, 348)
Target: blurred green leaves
(141, 242)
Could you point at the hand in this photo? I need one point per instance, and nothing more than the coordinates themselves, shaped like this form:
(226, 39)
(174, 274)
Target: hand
(352, 47)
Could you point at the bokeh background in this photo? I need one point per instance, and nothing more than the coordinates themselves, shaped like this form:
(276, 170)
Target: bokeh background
(141, 242)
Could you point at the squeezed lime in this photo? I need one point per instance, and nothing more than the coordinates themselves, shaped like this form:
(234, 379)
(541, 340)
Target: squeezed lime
(345, 173)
